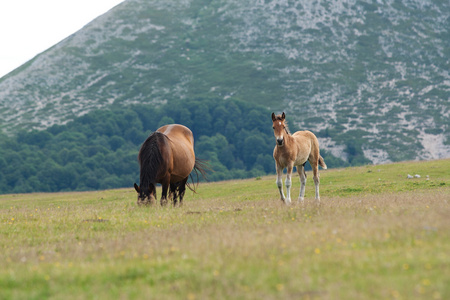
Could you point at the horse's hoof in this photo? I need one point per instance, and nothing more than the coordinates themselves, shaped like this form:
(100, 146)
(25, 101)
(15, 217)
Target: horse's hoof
(301, 199)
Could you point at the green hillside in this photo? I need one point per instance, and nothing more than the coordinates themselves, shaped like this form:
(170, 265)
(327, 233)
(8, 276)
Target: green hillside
(368, 77)
(99, 150)
(376, 235)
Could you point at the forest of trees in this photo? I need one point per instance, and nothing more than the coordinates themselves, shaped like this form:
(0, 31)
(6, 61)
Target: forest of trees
(99, 150)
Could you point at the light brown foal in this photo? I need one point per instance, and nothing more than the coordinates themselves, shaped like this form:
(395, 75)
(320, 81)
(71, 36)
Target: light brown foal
(293, 151)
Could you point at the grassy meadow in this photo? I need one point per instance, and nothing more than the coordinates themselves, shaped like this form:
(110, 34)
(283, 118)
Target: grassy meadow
(376, 235)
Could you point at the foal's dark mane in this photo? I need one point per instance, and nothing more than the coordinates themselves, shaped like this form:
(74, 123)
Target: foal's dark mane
(151, 160)
(286, 128)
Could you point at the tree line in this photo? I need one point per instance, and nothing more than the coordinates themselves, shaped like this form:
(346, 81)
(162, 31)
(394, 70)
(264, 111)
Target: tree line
(99, 150)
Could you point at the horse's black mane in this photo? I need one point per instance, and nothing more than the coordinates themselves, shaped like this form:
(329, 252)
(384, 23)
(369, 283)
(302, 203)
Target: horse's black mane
(150, 160)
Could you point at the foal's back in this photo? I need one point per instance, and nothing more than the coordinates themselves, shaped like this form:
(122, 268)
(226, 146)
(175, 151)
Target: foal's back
(307, 144)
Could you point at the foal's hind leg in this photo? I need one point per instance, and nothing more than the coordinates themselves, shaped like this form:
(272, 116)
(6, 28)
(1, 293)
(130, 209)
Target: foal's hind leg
(302, 174)
(315, 167)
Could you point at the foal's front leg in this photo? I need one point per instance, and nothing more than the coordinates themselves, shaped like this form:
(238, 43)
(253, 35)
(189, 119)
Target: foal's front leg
(280, 181)
(288, 184)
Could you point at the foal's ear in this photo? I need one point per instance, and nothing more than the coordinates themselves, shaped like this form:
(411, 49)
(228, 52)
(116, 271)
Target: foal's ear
(136, 187)
(273, 117)
(283, 116)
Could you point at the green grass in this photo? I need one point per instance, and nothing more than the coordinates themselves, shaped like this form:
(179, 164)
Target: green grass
(376, 235)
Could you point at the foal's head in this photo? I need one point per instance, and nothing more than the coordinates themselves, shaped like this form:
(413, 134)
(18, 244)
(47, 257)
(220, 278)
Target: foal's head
(279, 128)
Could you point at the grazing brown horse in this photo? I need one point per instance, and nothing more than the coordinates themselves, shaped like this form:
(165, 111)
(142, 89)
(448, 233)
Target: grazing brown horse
(293, 151)
(167, 157)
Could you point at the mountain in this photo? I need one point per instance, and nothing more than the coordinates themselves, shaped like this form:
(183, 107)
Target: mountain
(368, 77)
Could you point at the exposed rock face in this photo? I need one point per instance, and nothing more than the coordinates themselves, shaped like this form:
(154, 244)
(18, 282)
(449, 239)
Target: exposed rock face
(348, 70)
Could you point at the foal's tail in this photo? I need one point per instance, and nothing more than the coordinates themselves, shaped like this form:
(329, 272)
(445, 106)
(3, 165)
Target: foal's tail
(322, 162)
(201, 167)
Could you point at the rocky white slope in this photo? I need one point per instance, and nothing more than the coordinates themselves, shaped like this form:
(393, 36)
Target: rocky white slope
(370, 76)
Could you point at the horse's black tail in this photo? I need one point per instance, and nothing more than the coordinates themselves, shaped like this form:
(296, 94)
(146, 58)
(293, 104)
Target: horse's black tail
(151, 158)
(201, 167)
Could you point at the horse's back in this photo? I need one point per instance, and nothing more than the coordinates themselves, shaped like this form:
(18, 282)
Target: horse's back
(182, 144)
(177, 133)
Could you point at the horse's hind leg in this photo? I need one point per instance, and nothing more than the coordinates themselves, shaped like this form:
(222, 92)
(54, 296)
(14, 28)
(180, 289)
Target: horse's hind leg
(182, 190)
(165, 188)
(302, 175)
(173, 193)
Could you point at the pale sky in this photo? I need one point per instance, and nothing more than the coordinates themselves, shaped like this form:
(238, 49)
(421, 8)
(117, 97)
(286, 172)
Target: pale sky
(29, 27)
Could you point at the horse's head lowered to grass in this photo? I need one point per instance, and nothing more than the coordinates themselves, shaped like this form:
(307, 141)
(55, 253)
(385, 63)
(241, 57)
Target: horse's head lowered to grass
(146, 195)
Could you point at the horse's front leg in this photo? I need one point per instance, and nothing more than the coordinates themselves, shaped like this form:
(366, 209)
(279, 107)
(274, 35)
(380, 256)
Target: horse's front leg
(280, 181)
